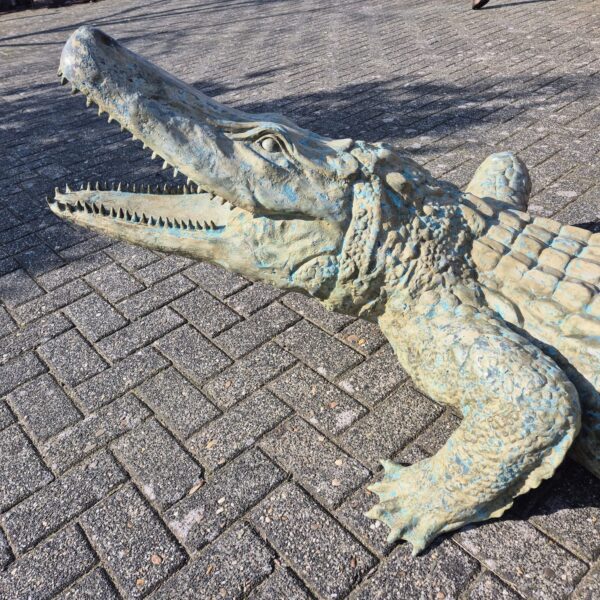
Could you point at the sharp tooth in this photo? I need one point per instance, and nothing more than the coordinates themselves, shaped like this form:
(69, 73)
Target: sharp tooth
(133, 188)
(89, 187)
(212, 224)
(110, 118)
(152, 221)
(166, 165)
(175, 172)
(56, 191)
(100, 111)
(122, 128)
(191, 225)
(98, 186)
(198, 226)
(184, 225)
(64, 81)
(105, 211)
(79, 205)
(167, 189)
(88, 101)
(176, 223)
(154, 156)
(128, 215)
(136, 217)
(144, 147)
(88, 207)
(206, 225)
(161, 221)
(144, 218)
(148, 190)
(198, 190)
(169, 222)
(96, 208)
(188, 181)
(81, 187)
(186, 190)
(74, 90)
(113, 212)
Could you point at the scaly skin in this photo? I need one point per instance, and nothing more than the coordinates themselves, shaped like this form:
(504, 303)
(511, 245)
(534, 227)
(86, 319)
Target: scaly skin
(491, 311)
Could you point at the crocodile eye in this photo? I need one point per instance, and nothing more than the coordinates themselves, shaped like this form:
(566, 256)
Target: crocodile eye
(270, 145)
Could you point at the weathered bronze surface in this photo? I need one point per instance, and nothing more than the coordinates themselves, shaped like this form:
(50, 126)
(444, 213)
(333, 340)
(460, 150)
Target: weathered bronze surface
(490, 310)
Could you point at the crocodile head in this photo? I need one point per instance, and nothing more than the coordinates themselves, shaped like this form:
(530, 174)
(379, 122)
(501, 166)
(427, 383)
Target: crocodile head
(264, 198)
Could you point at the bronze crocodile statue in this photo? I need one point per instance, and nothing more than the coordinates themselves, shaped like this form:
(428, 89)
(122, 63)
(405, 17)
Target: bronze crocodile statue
(490, 310)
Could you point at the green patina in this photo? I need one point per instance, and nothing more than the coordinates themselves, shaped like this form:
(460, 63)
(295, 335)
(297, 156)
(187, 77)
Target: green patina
(490, 310)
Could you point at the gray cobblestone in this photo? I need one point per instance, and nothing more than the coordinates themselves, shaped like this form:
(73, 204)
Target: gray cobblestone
(254, 297)
(538, 568)
(205, 312)
(6, 417)
(328, 559)
(314, 311)
(373, 379)
(200, 518)
(7, 325)
(488, 586)
(131, 257)
(589, 587)
(94, 317)
(114, 283)
(228, 569)
(237, 429)
(248, 374)
(177, 402)
(318, 401)
(5, 553)
(139, 334)
(163, 471)
(362, 336)
(18, 371)
(43, 407)
(324, 354)
(192, 354)
(281, 584)
(163, 268)
(55, 504)
(71, 358)
(93, 432)
(49, 568)
(154, 297)
(257, 329)
(48, 303)
(132, 541)
(119, 378)
(96, 585)
(74, 270)
(442, 572)
(216, 280)
(17, 287)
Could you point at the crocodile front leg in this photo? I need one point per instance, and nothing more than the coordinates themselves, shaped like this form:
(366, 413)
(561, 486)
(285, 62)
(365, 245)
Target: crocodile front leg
(520, 411)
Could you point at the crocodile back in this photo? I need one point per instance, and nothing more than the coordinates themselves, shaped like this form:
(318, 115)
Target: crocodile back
(544, 277)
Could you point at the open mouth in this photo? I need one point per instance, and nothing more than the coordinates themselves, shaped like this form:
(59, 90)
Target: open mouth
(186, 208)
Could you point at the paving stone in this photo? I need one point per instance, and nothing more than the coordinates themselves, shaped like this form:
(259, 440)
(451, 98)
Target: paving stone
(444, 571)
(237, 429)
(75, 443)
(86, 247)
(49, 568)
(321, 403)
(520, 555)
(313, 310)
(71, 358)
(363, 336)
(50, 302)
(324, 354)
(132, 541)
(163, 471)
(237, 562)
(114, 283)
(54, 505)
(589, 587)
(192, 354)
(329, 560)
(487, 586)
(436, 435)
(17, 287)
(254, 297)
(95, 317)
(18, 371)
(177, 402)
(6, 417)
(375, 378)
(43, 406)
(321, 467)
(571, 512)
(216, 280)
(154, 297)
(7, 325)
(140, 333)
(5, 553)
(38, 260)
(96, 585)
(248, 374)
(161, 269)
(131, 257)
(205, 312)
(256, 330)
(281, 584)
(390, 425)
(74, 270)
(200, 518)
(119, 378)
(33, 335)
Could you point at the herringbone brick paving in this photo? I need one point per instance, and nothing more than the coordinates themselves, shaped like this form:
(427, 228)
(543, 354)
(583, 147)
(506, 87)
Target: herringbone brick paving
(171, 430)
